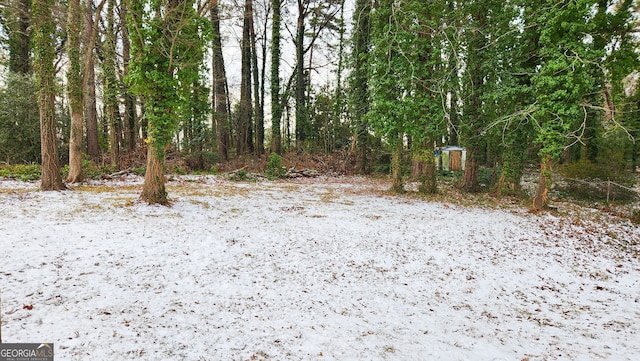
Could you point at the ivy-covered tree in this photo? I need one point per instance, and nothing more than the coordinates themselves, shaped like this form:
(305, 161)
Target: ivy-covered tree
(129, 116)
(431, 83)
(387, 113)
(340, 102)
(567, 78)
(276, 106)
(359, 81)
(167, 53)
(43, 62)
(613, 30)
(407, 82)
(513, 127)
(486, 23)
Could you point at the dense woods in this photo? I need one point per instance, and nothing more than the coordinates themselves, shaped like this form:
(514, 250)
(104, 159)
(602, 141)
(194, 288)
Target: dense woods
(381, 85)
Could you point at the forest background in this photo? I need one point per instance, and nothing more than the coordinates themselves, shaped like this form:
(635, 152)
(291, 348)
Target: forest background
(373, 85)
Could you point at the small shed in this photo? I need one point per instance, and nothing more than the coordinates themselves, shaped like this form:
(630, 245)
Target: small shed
(452, 158)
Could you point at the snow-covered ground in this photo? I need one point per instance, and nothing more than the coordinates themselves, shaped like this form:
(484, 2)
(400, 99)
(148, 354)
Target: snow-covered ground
(322, 269)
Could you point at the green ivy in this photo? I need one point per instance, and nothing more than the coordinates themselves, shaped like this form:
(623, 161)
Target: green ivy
(407, 70)
(168, 53)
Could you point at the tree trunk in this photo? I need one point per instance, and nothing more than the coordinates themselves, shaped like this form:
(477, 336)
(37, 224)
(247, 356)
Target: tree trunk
(51, 176)
(301, 110)
(263, 72)
(161, 75)
(276, 107)
(90, 110)
(74, 91)
(430, 184)
(154, 190)
(244, 126)
(196, 128)
(220, 98)
(541, 199)
(44, 55)
(512, 164)
(359, 83)
(89, 83)
(258, 107)
(131, 132)
(19, 40)
(475, 118)
(509, 181)
(110, 87)
(339, 100)
(471, 167)
(424, 168)
(130, 116)
(114, 132)
(396, 165)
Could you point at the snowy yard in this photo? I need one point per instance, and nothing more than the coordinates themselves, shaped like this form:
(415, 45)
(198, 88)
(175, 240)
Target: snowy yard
(323, 269)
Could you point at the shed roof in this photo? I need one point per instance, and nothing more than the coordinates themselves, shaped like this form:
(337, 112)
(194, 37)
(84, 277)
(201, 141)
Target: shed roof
(453, 147)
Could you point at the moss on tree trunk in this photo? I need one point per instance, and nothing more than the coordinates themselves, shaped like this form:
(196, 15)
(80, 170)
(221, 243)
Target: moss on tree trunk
(44, 55)
(424, 169)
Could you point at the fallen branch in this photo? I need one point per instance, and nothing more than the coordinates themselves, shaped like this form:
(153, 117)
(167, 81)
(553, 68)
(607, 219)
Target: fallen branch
(118, 174)
(296, 173)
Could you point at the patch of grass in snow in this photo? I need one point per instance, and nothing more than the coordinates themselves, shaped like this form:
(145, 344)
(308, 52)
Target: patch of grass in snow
(123, 202)
(329, 196)
(15, 191)
(219, 190)
(289, 187)
(204, 204)
(105, 188)
(188, 190)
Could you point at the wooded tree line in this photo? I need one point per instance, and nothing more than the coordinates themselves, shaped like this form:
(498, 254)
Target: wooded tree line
(516, 82)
